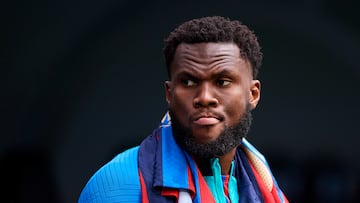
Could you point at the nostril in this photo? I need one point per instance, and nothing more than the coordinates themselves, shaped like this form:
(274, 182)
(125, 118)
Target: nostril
(213, 103)
(198, 102)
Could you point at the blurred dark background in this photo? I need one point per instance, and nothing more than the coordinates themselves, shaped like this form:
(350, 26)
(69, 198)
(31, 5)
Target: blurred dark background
(83, 80)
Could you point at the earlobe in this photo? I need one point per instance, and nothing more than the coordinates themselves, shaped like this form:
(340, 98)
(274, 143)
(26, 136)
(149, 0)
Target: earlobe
(255, 88)
(167, 91)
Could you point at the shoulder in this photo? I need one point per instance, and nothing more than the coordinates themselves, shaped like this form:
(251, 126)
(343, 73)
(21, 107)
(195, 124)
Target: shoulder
(117, 180)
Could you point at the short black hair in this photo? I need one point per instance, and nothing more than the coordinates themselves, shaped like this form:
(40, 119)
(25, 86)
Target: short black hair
(215, 29)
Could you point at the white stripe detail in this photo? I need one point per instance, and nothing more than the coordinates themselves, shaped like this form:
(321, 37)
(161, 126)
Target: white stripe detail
(184, 197)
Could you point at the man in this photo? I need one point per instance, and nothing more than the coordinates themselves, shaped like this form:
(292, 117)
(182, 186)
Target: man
(199, 152)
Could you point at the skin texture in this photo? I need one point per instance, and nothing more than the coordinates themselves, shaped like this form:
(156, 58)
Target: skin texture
(211, 89)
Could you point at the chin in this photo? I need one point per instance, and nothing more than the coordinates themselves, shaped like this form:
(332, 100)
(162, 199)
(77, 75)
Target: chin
(206, 135)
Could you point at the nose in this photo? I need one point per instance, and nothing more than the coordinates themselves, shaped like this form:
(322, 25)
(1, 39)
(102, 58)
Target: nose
(205, 97)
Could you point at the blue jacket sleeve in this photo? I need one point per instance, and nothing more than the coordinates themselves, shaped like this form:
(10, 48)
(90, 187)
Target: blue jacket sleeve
(117, 181)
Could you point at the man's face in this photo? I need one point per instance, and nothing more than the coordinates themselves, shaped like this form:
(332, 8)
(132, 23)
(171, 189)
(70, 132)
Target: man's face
(210, 92)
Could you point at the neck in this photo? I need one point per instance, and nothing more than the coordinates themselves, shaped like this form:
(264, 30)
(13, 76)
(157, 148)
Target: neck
(225, 163)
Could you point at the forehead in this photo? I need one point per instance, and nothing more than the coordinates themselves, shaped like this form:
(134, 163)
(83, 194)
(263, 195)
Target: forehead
(208, 57)
(207, 50)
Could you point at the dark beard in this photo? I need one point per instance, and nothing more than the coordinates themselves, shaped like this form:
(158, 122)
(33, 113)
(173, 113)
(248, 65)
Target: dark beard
(230, 137)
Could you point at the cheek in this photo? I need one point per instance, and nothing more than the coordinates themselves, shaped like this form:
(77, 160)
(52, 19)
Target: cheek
(180, 101)
(235, 105)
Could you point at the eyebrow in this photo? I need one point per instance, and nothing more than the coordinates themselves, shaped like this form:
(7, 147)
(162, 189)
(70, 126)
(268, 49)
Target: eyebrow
(192, 75)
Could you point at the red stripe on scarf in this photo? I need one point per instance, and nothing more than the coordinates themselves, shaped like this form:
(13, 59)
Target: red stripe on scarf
(170, 192)
(144, 196)
(205, 193)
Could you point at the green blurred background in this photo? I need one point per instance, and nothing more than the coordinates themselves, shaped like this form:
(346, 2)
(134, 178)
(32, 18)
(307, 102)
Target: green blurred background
(83, 80)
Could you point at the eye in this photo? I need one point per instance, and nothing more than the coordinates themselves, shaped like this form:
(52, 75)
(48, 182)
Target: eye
(188, 82)
(223, 82)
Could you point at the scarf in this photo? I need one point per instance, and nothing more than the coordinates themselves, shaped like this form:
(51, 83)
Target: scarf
(169, 174)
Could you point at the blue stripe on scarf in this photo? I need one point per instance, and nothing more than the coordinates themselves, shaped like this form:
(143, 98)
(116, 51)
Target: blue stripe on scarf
(194, 173)
(248, 188)
(174, 168)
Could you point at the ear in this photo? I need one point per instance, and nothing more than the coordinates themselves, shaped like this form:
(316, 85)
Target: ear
(168, 91)
(255, 88)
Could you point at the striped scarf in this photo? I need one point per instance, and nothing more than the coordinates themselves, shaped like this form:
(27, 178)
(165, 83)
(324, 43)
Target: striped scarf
(169, 174)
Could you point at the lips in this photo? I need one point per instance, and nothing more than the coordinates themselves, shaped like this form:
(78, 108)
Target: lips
(207, 119)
